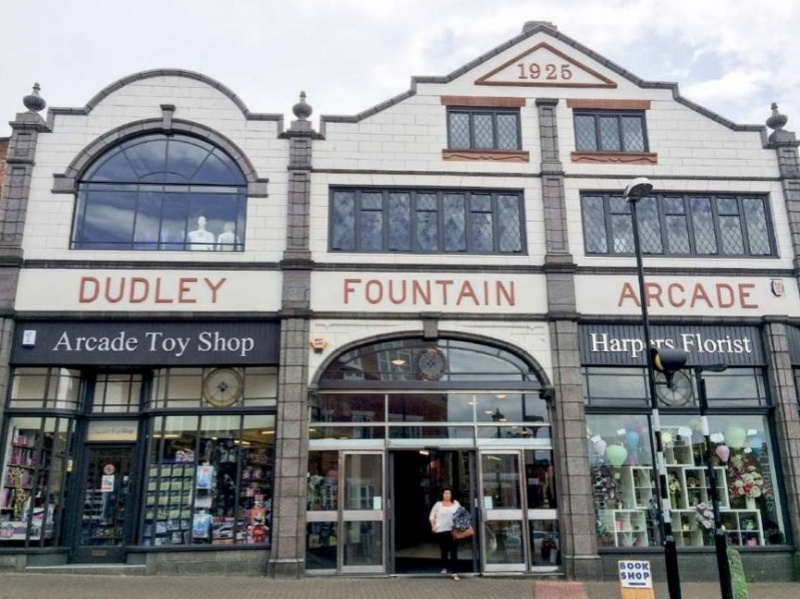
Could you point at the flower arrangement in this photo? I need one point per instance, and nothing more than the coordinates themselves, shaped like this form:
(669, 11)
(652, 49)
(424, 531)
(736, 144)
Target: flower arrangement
(704, 516)
(674, 487)
(745, 480)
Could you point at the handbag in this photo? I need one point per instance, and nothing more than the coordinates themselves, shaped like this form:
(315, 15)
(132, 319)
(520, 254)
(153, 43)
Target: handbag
(463, 534)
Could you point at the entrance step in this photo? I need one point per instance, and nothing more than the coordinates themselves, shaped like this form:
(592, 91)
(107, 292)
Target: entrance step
(87, 569)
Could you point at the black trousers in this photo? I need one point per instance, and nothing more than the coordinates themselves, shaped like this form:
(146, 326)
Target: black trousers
(448, 547)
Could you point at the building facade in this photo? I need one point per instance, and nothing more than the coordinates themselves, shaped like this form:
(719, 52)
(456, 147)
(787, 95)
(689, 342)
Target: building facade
(233, 346)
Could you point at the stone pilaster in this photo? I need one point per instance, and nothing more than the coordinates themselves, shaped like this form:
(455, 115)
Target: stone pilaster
(786, 421)
(287, 558)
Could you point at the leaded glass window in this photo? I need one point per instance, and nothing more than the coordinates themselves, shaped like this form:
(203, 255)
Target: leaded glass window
(610, 131)
(679, 225)
(160, 192)
(426, 221)
(483, 129)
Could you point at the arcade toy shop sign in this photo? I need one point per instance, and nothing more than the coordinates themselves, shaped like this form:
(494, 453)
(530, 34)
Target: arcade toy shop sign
(141, 343)
(623, 344)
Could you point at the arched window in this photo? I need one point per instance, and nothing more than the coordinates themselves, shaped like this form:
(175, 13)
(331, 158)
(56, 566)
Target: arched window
(160, 192)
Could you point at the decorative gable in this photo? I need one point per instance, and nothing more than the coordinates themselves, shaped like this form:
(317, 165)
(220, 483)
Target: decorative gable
(545, 66)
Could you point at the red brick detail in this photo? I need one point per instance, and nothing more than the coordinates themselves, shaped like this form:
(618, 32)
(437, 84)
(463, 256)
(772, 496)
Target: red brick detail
(547, 589)
(483, 101)
(614, 157)
(489, 155)
(610, 104)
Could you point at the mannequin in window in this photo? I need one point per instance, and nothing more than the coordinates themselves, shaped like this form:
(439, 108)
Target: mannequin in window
(200, 238)
(227, 240)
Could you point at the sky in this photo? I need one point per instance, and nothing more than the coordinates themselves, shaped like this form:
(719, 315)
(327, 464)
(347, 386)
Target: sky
(734, 57)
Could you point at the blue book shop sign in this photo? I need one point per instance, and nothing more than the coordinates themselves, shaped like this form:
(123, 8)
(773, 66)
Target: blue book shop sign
(623, 344)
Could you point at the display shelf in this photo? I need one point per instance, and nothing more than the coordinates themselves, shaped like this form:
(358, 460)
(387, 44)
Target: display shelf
(628, 527)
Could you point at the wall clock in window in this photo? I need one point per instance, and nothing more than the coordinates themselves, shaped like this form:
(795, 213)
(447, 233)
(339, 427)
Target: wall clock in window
(679, 395)
(431, 364)
(222, 387)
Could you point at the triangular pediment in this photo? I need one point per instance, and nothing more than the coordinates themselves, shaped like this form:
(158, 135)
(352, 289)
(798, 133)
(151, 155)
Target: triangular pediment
(544, 66)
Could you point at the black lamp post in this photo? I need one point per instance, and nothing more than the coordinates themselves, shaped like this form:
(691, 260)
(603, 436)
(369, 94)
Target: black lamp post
(498, 417)
(720, 542)
(636, 190)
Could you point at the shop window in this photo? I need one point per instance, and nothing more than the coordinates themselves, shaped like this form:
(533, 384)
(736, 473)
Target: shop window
(427, 221)
(483, 129)
(35, 457)
(625, 498)
(116, 393)
(209, 480)
(191, 388)
(679, 225)
(161, 192)
(45, 389)
(610, 131)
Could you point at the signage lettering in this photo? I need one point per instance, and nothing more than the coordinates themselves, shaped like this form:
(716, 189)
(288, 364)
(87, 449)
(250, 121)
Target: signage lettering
(678, 295)
(425, 292)
(156, 290)
(688, 342)
(156, 341)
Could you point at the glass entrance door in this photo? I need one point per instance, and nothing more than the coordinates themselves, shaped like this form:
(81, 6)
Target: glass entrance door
(103, 524)
(363, 510)
(504, 542)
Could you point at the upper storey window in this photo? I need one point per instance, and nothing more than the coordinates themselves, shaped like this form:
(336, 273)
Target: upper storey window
(426, 221)
(610, 131)
(483, 129)
(679, 224)
(160, 192)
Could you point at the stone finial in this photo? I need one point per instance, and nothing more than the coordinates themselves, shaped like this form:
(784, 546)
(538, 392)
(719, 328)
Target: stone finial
(302, 110)
(534, 24)
(33, 101)
(777, 120)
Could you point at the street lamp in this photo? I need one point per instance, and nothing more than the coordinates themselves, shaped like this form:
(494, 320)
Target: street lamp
(720, 542)
(634, 192)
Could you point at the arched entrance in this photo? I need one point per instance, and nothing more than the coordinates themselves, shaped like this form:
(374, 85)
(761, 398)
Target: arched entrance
(394, 421)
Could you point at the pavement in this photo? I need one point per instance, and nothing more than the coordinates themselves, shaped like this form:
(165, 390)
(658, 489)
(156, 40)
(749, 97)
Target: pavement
(77, 586)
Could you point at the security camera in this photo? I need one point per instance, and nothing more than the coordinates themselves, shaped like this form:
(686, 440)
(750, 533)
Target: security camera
(637, 189)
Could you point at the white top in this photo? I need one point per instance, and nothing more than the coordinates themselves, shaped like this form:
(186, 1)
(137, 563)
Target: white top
(442, 516)
(200, 240)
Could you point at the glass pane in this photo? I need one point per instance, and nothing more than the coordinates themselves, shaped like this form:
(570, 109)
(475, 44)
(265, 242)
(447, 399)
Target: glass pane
(594, 225)
(431, 432)
(370, 230)
(113, 166)
(184, 159)
(117, 393)
(399, 221)
(363, 482)
(363, 543)
(455, 235)
(173, 222)
(504, 542)
(482, 232)
(106, 496)
(509, 218)
(757, 226)
(323, 481)
(507, 132)
(609, 134)
(545, 543)
(108, 222)
(632, 134)
(148, 156)
(347, 408)
(678, 235)
(343, 235)
(540, 480)
(459, 130)
(501, 488)
(585, 134)
(148, 221)
(483, 131)
(705, 238)
(346, 432)
(649, 228)
(730, 228)
(622, 232)
(321, 545)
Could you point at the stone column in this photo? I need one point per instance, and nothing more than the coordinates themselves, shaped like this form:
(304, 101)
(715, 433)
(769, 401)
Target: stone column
(287, 557)
(25, 130)
(578, 542)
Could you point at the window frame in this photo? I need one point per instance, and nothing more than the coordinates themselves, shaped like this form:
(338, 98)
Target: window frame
(471, 113)
(690, 224)
(414, 211)
(596, 114)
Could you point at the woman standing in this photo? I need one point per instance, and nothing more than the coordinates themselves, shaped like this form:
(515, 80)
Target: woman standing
(442, 525)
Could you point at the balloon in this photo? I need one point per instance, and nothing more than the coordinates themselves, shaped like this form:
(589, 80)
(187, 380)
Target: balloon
(616, 454)
(633, 439)
(755, 442)
(600, 447)
(723, 453)
(735, 437)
